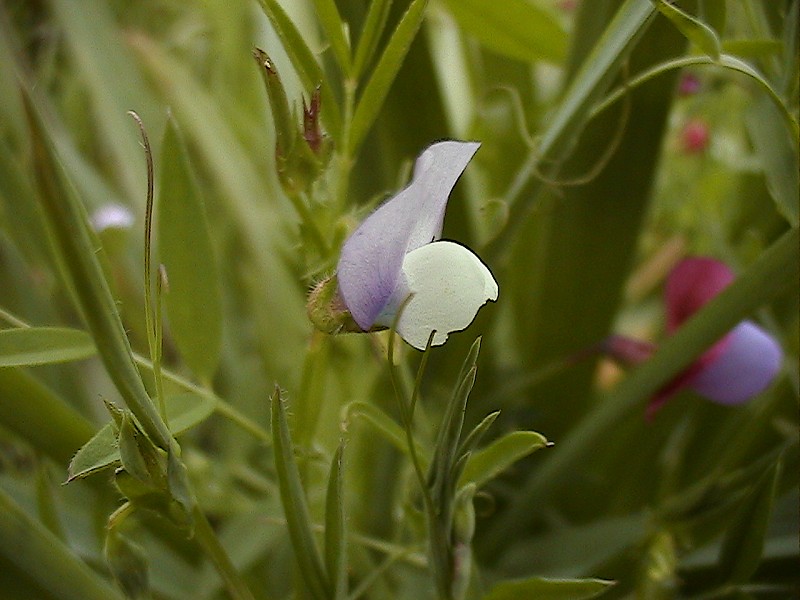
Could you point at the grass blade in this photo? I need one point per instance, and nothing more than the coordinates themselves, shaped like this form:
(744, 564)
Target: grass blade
(294, 503)
(371, 100)
(335, 534)
(304, 62)
(28, 346)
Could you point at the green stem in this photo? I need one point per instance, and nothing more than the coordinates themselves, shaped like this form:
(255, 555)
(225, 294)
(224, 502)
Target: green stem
(345, 160)
(209, 542)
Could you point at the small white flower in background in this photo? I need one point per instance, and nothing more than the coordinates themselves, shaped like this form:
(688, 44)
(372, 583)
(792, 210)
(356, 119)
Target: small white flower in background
(396, 253)
(112, 216)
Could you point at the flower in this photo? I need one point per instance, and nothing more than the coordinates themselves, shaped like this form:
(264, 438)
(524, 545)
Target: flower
(395, 259)
(736, 368)
(112, 216)
(695, 136)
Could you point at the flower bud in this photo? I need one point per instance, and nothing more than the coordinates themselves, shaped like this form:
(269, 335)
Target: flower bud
(301, 155)
(326, 309)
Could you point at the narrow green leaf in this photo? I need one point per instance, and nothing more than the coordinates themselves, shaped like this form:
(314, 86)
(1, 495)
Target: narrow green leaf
(485, 464)
(335, 534)
(697, 32)
(35, 413)
(193, 299)
(184, 411)
(476, 435)
(305, 63)
(331, 21)
(294, 503)
(67, 223)
(384, 425)
(778, 150)
(548, 589)
(371, 100)
(45, 559)
(744, 541)
(370, 34)
(517, 29)
(28, 346)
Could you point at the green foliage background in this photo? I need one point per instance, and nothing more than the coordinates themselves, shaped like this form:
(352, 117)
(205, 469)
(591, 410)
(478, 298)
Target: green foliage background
(583, 195)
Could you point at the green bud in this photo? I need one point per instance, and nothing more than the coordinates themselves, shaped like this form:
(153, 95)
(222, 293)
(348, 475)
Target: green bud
(326, 309)
(301, 153)
(139, 455)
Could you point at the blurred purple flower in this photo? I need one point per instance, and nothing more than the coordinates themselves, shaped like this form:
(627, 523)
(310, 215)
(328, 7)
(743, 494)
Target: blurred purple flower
(689, 84)
(396, 253)
(733, 370)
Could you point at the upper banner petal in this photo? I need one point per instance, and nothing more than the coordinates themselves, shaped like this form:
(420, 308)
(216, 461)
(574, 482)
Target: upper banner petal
(372, 257)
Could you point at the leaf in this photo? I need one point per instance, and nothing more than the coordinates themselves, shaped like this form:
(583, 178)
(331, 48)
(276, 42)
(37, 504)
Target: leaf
(440, 476)
(328, 16)
(518, 29)
(26, 346)
(697, 32)
(98, 453)
(335, 534)
(548, 589)
(370, 34)
(371, 100)
(487, 463)
(193, 299)
(778, 151)
(184, 411)
(743, 543)
(476, 435)
(304, 62)
(294, 503)
(32, 550)
(384, 425)
(76, 248)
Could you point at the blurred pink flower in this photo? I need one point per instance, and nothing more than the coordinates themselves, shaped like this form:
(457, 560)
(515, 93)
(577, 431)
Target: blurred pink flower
(734, 369)
(694, 136)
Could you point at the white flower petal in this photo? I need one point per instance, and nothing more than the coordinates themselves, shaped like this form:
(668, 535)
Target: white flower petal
(449, 284)
(749, 362)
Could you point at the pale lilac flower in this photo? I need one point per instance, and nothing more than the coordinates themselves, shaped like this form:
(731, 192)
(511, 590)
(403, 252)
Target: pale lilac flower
(112, 216)
(736, 368)
(396, 256)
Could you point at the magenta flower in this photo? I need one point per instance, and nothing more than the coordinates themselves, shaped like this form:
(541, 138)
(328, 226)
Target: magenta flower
(733, 370)
(395, 257)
